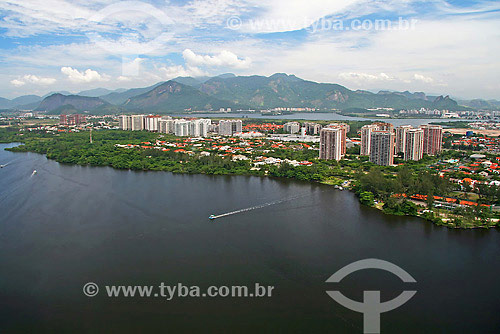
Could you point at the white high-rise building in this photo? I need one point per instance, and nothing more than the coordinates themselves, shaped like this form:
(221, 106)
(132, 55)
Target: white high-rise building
(382, 147)
(167, 126)
(401, 132)
(330, 147)
(204, 126)
(229, 127)
(414, 144)
(199, 127)
(292, 127)
(152, 123)
(433, 139)
(366, 132)
(181, 128)
(125, 122)
(138, 122)
(194, 128)
(345, 128)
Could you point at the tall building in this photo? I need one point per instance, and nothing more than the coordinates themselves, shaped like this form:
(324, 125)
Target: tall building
(330, 145)
(205, 126)
(433, 139)
(181, 127)
(366, 133)
(199, 127)
(125, 122)
(138, 123)
(292, 127)
(401, 137)
(167, 126)
(229, 127)
(344, 129)
(152, 123)
(313, 128)
(382, 147)
(382, 126)
(414, 144)
(73, 119)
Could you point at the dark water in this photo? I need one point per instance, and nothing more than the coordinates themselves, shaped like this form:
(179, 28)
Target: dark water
(325, 117)
(68, 225)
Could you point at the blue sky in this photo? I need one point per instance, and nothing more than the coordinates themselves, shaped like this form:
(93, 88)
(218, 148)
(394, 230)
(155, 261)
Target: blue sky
(446, 47)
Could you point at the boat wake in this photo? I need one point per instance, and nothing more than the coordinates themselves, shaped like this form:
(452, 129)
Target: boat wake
(255, 207)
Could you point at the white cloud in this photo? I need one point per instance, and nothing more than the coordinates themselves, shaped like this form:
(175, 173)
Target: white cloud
(223, 59)
(83, 77)
(17, 83)
(170, 72)
(423, 78)
(33, 79)
(352, 76)
(132, 67)
(123, 78)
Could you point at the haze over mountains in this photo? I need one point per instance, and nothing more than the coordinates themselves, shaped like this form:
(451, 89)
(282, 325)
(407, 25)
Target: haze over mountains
(236, 92)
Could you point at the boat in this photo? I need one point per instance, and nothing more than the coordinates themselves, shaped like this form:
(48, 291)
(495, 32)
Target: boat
(2, 166)
(212, 217)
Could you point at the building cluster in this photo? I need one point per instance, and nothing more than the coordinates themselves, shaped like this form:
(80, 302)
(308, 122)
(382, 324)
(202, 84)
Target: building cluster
(309, 128)
(484, 126)
(422, 111)
(257, 151)
(472, 171)
(380, 141)
(291, 109)
(482, 143)
(292, 127)
(263, 127)
(73, 119)
(179, 127)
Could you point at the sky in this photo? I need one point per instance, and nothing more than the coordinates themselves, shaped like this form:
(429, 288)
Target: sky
(435, 46)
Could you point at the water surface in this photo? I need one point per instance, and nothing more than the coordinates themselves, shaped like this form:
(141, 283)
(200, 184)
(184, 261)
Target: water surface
(68, 225)
(323, 117)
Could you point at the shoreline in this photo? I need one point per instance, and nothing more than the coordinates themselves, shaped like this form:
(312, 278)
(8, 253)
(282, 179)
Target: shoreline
(378, 204)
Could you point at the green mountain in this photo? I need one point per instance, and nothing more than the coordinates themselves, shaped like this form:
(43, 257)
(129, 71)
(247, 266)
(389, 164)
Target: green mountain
(97, 92)
(481, 104)
(240, 92)
(63, 92)
(282, 90)
(58, 102)
(20, 102)
(120, 97)
(4, 103)
(198, 81)
(173, 96)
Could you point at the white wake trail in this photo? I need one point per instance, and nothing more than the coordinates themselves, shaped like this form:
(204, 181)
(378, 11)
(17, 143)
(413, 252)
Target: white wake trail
(255, 207)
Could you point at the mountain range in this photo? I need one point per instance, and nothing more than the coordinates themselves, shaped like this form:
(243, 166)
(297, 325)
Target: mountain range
(236, 92)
